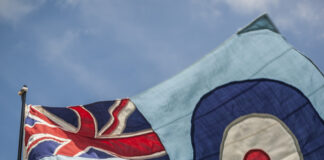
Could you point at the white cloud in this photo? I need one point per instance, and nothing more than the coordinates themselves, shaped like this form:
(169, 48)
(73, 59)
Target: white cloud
(285, 23)
(72, 2)
(290, 15)
(206, 9)
(301, 17)
(309, 12)
(14, 10)
(100, 16)
(67, 3)
(56, 52)
(213, 7)
(56, 47)
(251, 6)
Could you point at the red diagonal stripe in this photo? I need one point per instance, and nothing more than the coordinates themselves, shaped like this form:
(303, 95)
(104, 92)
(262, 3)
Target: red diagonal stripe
(115, 113)
(87, 122)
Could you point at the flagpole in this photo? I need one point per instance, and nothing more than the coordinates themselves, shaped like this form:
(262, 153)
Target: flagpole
(22, 93)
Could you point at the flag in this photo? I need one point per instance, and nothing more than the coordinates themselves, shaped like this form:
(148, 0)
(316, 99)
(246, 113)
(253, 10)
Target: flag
(99, 130)
(255, 97)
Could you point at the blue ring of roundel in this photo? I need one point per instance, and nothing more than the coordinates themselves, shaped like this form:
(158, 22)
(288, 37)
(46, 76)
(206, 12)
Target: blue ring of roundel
(221, 106)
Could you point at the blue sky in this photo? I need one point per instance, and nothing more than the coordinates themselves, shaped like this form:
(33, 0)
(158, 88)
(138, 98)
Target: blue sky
(76, 52)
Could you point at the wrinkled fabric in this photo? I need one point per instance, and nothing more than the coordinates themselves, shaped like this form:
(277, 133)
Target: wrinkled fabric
(259, 53)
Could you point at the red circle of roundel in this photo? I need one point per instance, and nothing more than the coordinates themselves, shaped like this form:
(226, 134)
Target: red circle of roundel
(256, 154)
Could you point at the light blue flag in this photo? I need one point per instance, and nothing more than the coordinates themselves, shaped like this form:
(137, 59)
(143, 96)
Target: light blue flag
(195, 111)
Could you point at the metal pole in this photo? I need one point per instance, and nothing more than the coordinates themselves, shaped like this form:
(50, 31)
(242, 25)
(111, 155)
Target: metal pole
(22, 93)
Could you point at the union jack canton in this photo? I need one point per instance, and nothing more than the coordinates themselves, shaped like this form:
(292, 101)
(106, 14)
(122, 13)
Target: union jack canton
(99, 130)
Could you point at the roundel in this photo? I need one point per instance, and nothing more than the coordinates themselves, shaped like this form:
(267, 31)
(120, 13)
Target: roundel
(258, 119)
(259, 137)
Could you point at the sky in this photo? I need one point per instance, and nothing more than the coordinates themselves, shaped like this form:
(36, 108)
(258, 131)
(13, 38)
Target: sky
(73, 52)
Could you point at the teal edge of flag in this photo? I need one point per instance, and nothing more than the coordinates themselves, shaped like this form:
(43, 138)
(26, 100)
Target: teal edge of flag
(262, 22)
(261, 52)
